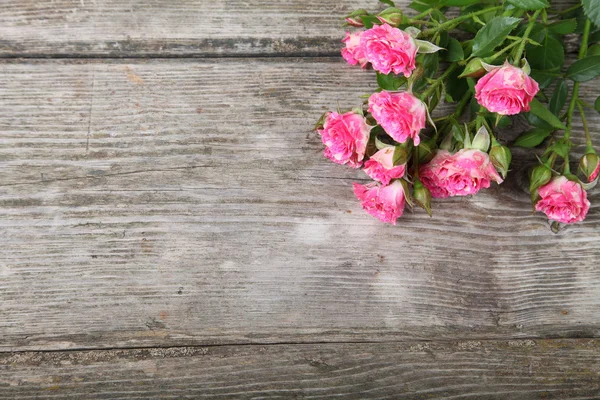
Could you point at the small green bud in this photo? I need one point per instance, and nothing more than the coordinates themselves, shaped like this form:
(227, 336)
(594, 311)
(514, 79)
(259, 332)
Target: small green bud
(539, 176)
(392, 16)
(589, 166)
(422, 196)
(501, 158)
(474, 69)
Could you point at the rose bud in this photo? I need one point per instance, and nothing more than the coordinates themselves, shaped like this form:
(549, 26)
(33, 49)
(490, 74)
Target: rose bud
(345, 137)
(563, 200)
(590, 166)
(474, 69)
(381, 166)
(392, 16)
(353, 52)
(354, 18)
(422, 195)
(389, 49)
(383, 202)
(461, 174)
(501, 158)
(539, 175)
(400, 114)
(506, 90)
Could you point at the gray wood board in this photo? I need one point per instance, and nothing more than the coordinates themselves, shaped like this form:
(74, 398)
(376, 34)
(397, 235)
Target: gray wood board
(174, 28)
(149, 203)
(183, 28)
(516, 370)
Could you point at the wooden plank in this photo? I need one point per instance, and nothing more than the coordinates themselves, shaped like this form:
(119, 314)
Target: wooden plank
(160, 28)
(184, 28)
(519, 370)
(152, 203)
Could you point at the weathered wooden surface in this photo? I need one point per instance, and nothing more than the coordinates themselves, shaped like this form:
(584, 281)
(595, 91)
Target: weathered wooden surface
(119, 28)
(146, 204)
(183, 28)
(171, 203)
(517, 369)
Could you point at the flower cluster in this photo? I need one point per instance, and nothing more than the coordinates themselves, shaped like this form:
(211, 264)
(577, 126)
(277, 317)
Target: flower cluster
(501, 72)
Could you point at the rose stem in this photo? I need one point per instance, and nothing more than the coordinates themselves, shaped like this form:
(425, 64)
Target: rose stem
(438, 81)
(504, 50)
(586, 128)
(582, 51)
(530, 25)
(457, 113)
(456, 21)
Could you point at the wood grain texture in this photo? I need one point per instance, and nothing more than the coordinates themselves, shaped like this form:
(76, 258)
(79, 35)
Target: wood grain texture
(183, 28)
(172, 203)
(161, 28)
(516, 370)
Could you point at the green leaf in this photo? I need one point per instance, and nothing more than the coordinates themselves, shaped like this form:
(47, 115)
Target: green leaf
(532, 138)
(544, 79)
(388, 2)
(597, 104)
(444, 37)
(594, 50)
(454, 51)
(540, 111)
(550, 55)
(419, 6)
(435, 98)
(584, 69)
(563, 27)
(455, 86)
(559, 97)
(458, 133)
(400, 155)
(431, 63)
(425, 47)
(529, 4)
(504, 122)
(473, 107)
(390, 81)
(458, 3)
(492, 34)
(594, 37)
(592, 10)
(369, 20)
(537, 122)
(560, 147)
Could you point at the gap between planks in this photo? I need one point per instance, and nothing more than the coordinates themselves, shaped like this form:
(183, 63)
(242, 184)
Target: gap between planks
(514, 341)
(158, 56)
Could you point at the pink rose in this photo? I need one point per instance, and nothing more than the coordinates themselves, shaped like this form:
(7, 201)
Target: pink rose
(460, 174)
(400, 114)
(506, 90)
(383, 202)
(563, 200)
(430, 175)
(345, 137)
(353, 52)
(381, 166)
(389, 49)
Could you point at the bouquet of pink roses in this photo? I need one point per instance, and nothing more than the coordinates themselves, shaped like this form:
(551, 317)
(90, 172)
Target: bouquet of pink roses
(499, 59)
